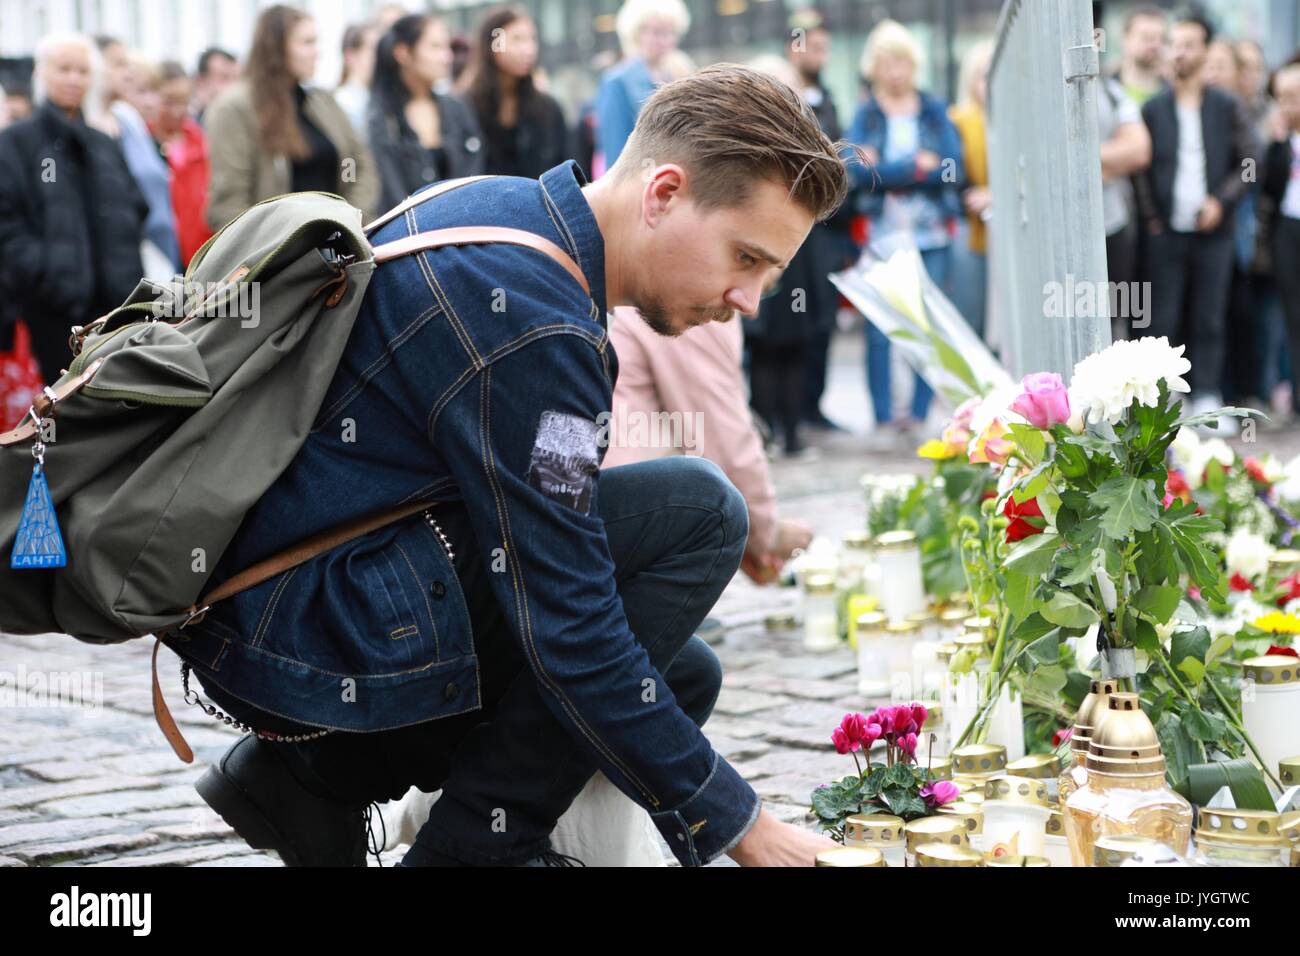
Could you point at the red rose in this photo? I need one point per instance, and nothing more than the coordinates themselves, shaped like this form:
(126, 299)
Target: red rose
(1019, 529)
(1176, 486)
(1284, 651)
(1292, 584)
(1062, 735)
(1255, 470)
(1238, 583)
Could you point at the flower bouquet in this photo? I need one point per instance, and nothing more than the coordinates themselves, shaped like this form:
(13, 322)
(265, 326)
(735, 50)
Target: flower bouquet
(1084, 542)
(889, 285)
(898, 786)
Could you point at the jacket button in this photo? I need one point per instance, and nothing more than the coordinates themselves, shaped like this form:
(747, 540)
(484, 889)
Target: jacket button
(439, 590)
(451, 691)
(429, 174)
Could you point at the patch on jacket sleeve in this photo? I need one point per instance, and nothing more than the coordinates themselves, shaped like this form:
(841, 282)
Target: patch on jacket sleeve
(565, 461)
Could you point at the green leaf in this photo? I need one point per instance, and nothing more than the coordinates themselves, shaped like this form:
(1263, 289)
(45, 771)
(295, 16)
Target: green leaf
(1019, 594)
(1202, 725)
(1194, 644)
(1046, 650)
(1068, 611)
(1046, 681)
(951, 360)
(899, 775)
(1031, 485)
(1212, 418)
(1194, 670)
(1031, 628)
(1030, 440)
(1159, 603)
(1145, 637)
(1127, 505)
(1180, 749)
(1080, 565)
(1249, 791)
(1095, 444)
(1033, 556)
(1222, 644)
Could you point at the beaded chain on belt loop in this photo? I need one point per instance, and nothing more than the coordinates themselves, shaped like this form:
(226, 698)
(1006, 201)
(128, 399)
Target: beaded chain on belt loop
(192, 697)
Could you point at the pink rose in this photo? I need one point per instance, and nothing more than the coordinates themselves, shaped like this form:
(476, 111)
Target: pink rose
(842, 742)
(965, 412)
(1044, 402)
(939, 792)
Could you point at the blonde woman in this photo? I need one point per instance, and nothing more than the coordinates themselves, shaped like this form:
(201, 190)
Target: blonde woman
(648, 32)
(910, 192)
(970, 251)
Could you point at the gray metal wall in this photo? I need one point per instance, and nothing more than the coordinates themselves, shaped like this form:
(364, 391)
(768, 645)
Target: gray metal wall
(1045, 171)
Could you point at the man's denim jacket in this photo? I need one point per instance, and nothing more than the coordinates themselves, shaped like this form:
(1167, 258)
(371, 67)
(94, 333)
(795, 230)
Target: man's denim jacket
(476, 374)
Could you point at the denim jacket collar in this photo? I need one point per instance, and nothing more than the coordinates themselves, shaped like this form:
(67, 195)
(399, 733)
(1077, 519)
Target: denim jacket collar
(562, 187)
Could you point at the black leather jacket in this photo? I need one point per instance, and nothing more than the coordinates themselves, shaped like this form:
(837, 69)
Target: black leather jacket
(404, 165)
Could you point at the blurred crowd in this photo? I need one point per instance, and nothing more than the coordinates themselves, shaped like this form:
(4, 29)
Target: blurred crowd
(139, 162)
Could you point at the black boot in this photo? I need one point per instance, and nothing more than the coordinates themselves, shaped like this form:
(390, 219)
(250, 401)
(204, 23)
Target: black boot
(255, 792)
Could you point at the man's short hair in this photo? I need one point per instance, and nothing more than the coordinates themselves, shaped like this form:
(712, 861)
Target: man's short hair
(730, 126)
(1147, 11)
(207, 56)
(1196, 17)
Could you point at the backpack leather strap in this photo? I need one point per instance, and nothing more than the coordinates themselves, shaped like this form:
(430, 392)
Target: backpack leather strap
(471, 235)
(410, 202)
(163, 716)
(46, 407)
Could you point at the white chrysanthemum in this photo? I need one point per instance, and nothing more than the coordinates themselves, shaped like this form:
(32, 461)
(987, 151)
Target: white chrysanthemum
(1185, 448)
(1247, 554)
(1107, 383)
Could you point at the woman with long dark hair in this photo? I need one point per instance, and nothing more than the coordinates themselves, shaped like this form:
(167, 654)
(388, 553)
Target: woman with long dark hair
(525, 127)
(418, 136)
(271, 134)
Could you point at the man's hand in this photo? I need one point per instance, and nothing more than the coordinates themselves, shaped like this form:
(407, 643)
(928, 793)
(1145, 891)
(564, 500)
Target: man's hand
(765, 567)
(770, 842)
(1210, 216)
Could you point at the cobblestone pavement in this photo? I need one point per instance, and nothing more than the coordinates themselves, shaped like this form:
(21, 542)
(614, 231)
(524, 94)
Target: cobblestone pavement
(98, 786)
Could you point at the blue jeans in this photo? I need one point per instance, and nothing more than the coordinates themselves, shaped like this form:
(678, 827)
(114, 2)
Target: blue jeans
(937, 263)
(510, 770)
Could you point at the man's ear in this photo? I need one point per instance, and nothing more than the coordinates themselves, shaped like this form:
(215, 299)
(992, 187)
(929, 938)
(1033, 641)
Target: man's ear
(664, 185)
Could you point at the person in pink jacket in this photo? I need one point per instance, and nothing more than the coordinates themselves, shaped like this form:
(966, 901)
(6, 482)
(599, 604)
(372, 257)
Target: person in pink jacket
(686, 395)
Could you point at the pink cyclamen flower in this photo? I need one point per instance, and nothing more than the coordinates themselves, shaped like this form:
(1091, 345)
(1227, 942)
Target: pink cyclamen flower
(1044, 402)
(842, 742)
(939, 792)
(903, 722)
(854, 726)
(870, 734)
(883, 717)
(919, 715)
(907, 743)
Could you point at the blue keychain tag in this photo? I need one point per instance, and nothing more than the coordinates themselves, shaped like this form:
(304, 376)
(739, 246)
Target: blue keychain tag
(39, 543)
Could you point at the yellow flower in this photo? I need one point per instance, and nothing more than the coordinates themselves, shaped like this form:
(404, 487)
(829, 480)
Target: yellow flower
(1278, 623)
(936, 450)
